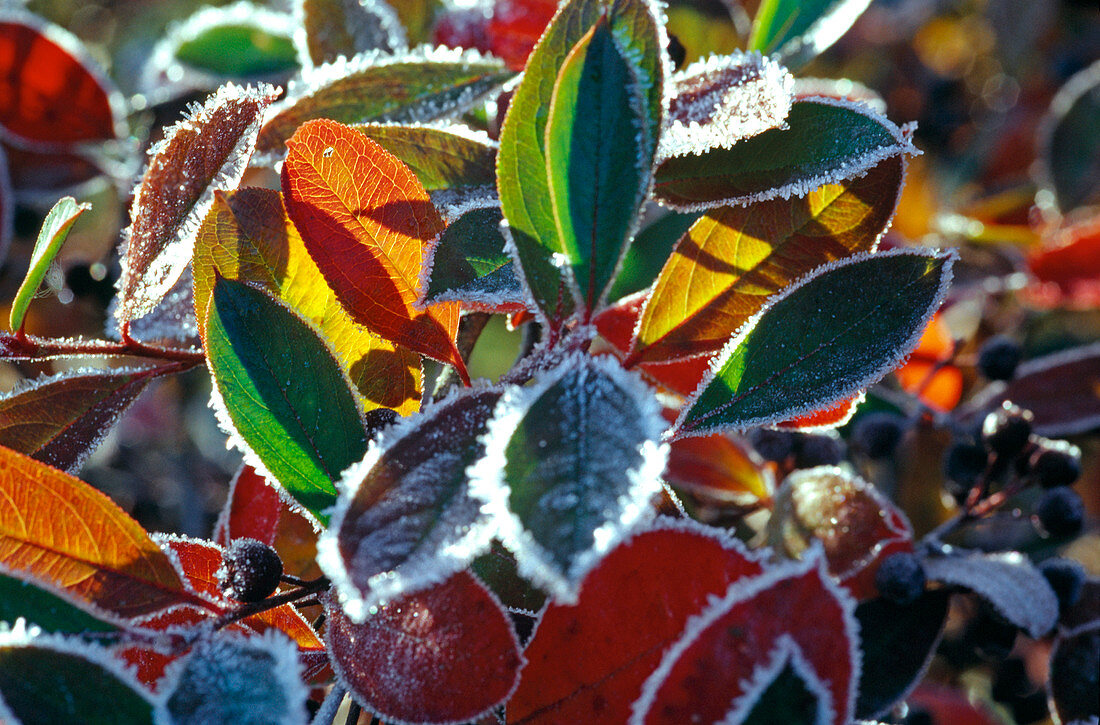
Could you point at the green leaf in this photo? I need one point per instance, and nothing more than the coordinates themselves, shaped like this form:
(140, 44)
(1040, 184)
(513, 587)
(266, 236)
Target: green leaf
(239, 50)
(1070, 141)
(283, 392)
(49, 610)
(788, 699)
(798, 30)
(825, 141)
(648, 253)
(442, 157)
(55, 229)
(469, 264)
(834, 333)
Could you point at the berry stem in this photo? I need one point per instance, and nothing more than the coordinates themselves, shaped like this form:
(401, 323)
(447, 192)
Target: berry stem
(31, 347)
(309, 588)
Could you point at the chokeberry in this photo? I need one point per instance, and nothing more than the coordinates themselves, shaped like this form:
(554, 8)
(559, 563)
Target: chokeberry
(1052, 467)
(999, 357)
(1006, 431)
(900, 578)
(1067, 578)
(1061, 512)
(250, 570)
(379, 418)
(878, 434)
(817, 450)
(772, 445)
(964, 462)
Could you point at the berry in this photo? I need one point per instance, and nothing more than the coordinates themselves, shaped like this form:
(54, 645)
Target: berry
(817, 450)
(772, 445)
(1061, 512)
(998, 358)
(1052, 467)
(900, 578)
(379, 418)
(878, 434)
(1067, 578)
(964, 462)
(250, 571)
(991, 635)
(1006, 431)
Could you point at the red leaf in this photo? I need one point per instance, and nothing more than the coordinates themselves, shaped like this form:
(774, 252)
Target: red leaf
(366, 222)
(515, 27)
(713, 673)
(251, 510)
(587, 662)
(150, 662)
(1068, 268)
(948, 705)
(719, 469)
(446, 654)
(939, 386)
(831, 417)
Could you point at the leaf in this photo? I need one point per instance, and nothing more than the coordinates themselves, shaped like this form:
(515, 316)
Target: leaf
(441, 156)
(208, 150)
(824, 141)
(1069, 153)
(1074, 676)
(498, 571)
(365, 221)
(929, 372)
(570, 466)
(514, 28)
(247, 236)
(1067, 267)
(817, 342)
(54, 230)
(48, 679)
(252, 509)
(335, 28)
(49, 609)
(798, 31)
(415, 87)
(590, 659)
(1007, 580)
(229, 678)
(790, 613)
(792, 696)
(1060, 390)
(647, 254)
(719, 470)
(405, 519)
(896, 644)
(827, 418)
(101, 555)
(60, 420)
(279, 389)
(7, 206)
(469, 264)
(733, 259)
(444, 655)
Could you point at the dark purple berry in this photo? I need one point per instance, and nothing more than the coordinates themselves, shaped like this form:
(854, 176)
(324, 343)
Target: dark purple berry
(379, 418)
(900, 578)
(1061, 512)
(1052, 467)
(1067, 578)
(1006, 431)
(250, 571)
(817, 450)
(773, 445)
(878, 434)
(998, 358)
(964, 462)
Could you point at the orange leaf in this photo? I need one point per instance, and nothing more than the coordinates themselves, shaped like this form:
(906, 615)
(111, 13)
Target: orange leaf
(100, 554)
(718, 469)
(831, 417)
(941, 388)
(366, 221)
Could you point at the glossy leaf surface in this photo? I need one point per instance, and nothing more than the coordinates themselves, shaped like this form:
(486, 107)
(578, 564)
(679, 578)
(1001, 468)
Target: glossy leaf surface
(283, 392)
(365, 220)
(798, 30)
(648, 252)
(442, 157)
(335, 28)
(470, 264)
(55, 229)
(444, 655)
(827, 341)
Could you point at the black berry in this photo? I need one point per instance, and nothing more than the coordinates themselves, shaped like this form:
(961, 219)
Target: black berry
(817, 450)
(251, 570)
(1061, 512)
(1006, 431)
(379, 418)
(1052, 467)
(964, 462)
(878, 434)
(1067, 578)
(900, 578)
(998, 358)
(773, 445)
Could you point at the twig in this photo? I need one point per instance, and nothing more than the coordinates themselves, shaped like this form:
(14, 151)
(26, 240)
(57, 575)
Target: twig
(32, 347)
(315, 586)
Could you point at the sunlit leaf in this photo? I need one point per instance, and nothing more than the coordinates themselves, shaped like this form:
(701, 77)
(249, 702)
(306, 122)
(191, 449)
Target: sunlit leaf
(827, 418)
(444, 655)
(208, 150)
(824, 141)
(647, 255)
(733, 259)
(516, 26)
(1067, 267)
(50, 609)
(247, 236)
(405, 518)
(365, 220)
(1060, 390)
(570, 465)
(592, 657)
(334, 28)
(441, 156)
(54, 231)
(798, 30)
(60, 420)
(1070, 150)
(102, 555)
(415, 87)
(832, 334)
(720, 470)
(929, 372)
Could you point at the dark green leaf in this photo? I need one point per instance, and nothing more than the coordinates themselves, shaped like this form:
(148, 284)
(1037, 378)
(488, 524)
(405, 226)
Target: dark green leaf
(239, 50)
(1070, 141)
(786, 701)
(442, 157)
(800, 29)
(283, 392)
(648, 253)
(51, 611)
(469, 264)
(822, 340)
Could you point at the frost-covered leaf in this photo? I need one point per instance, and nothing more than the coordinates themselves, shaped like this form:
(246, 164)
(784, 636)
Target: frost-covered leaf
(247, 236)
(1007, 580)
(441, 156)
(232, 679)
(824, 141)
(60, 420)
(366, 221)
(334, 28)
(721, 100)
(444, 655)
(173, 317)
(49, 608)
(896, 645)
(570, 465)
(1060, 391)
(798, 30)
(208, 150)
(832, 334)
(856, 525)
(101, 555)
(405, 519)
(1069, 140)
(733, 259)
(827, 418)
(54, 231)
(252, 509)
(593, 656)
(278, 387)
(720, 470)
(792, 613)
(422, 85)
(1074, 683)
(49, 679)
